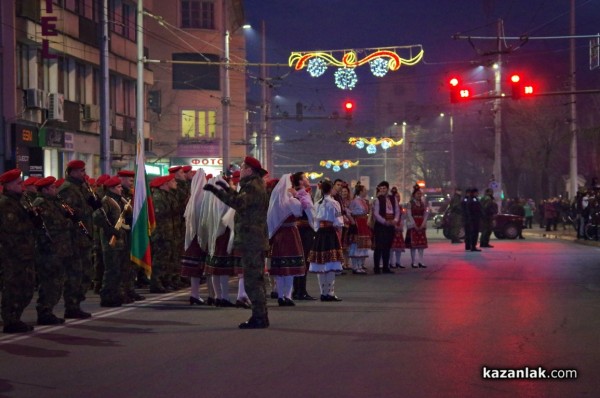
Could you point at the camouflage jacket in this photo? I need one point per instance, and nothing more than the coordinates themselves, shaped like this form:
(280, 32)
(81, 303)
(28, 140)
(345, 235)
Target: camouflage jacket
(106, 218)
(127, 194)
(60, 228)
(164, 213)
(16, 224)
(250, 205)
(79, 197)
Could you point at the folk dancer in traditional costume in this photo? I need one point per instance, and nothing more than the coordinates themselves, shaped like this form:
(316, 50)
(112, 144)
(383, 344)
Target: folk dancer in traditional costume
(398, 244)
(287, 256)
(360, 233)
(387, 214)
(193, 258)
(417, 212)
(326, 254)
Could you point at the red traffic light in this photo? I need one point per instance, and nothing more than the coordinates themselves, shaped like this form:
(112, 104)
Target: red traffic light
(348, 105)
(454, 82)
(464, 93)
(515, 78)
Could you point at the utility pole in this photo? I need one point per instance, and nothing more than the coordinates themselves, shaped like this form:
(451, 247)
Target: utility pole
(105, 161)
(498, 118)
(265, 152)
(573, 119)
(226, 95)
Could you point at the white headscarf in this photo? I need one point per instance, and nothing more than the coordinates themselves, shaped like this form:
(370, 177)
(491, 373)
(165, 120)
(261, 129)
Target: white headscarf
(282, 204)
(211, 227)
(192, 212)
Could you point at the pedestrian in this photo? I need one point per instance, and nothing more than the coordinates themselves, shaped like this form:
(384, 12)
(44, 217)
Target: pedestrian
(52, 255)
(398, 244)
(529, 208)
(387, 214)
(455, 212)
(76, 193)
(97, 260)
(489, 209)
(551, 214)
(361, 239)
(417, 212)
(251, 234)
(17, 252)
(471, 219)
(518, 209)
(326, 254)
(286, 253)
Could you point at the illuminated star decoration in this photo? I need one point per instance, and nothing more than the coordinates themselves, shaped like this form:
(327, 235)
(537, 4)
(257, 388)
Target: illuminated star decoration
(372, 143)
(336, 165)
(380, 60)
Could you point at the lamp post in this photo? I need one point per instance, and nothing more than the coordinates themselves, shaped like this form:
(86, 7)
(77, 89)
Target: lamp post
(452, 162)
(403, 159)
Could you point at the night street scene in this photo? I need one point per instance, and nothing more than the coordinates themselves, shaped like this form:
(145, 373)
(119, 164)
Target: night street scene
(311, 198)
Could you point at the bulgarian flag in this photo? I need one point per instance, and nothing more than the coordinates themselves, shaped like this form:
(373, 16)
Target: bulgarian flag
(143, 217)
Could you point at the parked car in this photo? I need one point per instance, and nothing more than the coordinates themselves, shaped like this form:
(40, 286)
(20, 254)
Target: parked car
(437, 203)
(505, 226)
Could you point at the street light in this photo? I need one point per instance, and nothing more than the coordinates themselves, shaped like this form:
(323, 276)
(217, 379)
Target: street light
(452, 164)
(404, 160)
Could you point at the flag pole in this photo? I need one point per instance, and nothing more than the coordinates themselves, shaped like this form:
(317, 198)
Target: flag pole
(140, 81)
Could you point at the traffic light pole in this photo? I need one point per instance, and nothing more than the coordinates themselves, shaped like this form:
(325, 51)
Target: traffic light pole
(497, 170)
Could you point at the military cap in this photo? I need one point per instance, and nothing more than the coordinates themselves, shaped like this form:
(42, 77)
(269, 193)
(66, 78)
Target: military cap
(156, 182)
(44, 182)
(10, 175)
(76, 164)
(209, 176)
(187, 169)
(174, 169)
(126, 173)
(169, 177)
(235, 177)
(91, 181)
(255, 165)
(112, 182)
(102, 179)
(59, 182)
(30, 181)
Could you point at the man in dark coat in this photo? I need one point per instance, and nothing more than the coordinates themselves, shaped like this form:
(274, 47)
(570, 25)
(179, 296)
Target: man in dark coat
(471, 219)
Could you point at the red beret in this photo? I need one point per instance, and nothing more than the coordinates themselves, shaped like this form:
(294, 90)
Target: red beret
(174, 169)
(76, 164)
(91, 181)
(10, 175)
(209, 176)
(169, 177)
(102, 179)
(187, 169)
(126, 173)
(59, 182)
(158, 181)
(235, 177)
(44, 182)
(255, 164)
(30, 181)
(112, 182)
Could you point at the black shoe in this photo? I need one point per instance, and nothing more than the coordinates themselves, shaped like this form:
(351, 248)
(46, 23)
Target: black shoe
(274, 295)
(475, 250)
(109, 303)
(289, 302)
(49, 319)
(400, 266)
(324, 297)
(243, 304)
(281, 302)
(17, 327)
(422, 265)
(488, 246)
(255, 323)
(387, 271)
(196, 301)
(333, 298)
(225, 303)
(414, 266)
(77, 314)
(137, 297)
(296, 296)
(210, 301)
(306, 297)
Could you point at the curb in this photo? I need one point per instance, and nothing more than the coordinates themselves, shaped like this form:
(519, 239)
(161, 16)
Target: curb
(568, 238)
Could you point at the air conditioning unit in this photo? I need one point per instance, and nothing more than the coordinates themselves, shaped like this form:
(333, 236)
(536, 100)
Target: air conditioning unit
(91, 113)
(116, 146)
(56, 107)
(35, 99)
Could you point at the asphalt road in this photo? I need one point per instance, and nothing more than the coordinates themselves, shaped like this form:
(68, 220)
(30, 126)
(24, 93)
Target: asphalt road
(417, 333)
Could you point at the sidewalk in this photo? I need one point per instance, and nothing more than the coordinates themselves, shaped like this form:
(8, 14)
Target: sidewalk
(560, 233)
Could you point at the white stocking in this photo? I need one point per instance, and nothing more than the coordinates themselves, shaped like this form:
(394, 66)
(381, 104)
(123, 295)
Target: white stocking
(322, 278)
(413, 252)
(195, 287)
(289, 286)
(420, 255)
(224, 282)
(331, 283)
(242, 295)
(280, 282)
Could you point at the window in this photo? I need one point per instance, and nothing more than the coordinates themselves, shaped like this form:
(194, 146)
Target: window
(129, 97)
(95, 86)
(22, 66)
(197, 14)
(198, 124)
(80, 74)
(112, 92)
(129, 22)
(196, 76)
(96, 10)
(115, 16)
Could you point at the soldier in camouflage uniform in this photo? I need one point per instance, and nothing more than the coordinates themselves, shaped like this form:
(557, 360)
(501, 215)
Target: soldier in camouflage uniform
(489, 208)
(79, 273)
(161, 240)
(115, 244)
(251, 235)
(98, 261)
(52, 255)
(179, 198)
(456, 216)
(17, 251)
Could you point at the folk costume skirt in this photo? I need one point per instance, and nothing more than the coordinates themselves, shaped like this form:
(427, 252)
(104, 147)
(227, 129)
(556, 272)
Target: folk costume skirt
(193, 260)
(286, 253)
(221, 263)
(416, 239)
(326, 254)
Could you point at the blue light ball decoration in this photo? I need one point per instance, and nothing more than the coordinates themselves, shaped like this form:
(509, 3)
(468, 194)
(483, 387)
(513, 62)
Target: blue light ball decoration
(385, 144)
(316, 67)
(360, 144)
(371, 149)
(345, 78)
(336, 168)
(379, 67)
(328, 165)
(345, 165)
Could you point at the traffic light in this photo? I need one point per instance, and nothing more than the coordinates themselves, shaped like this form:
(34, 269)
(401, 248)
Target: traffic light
(519, 88)
(349, 108)
(458, 93)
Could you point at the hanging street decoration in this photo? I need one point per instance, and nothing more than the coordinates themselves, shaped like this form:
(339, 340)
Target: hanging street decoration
(372, 143)
(380, 61)
(336, 165)
(313, 175)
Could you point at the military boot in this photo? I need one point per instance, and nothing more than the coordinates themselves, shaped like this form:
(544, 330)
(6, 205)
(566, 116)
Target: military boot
(17, 327)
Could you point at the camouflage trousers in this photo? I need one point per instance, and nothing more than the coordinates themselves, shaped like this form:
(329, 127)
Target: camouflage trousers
(79, 274)
(117, 268)
(253, 262)
(50, 272)
(162, 261)
(18, 284)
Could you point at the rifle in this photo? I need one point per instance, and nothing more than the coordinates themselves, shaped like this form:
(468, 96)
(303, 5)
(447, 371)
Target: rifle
(32, 210)
(70, 212)
(120, 222)
(94, 201)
